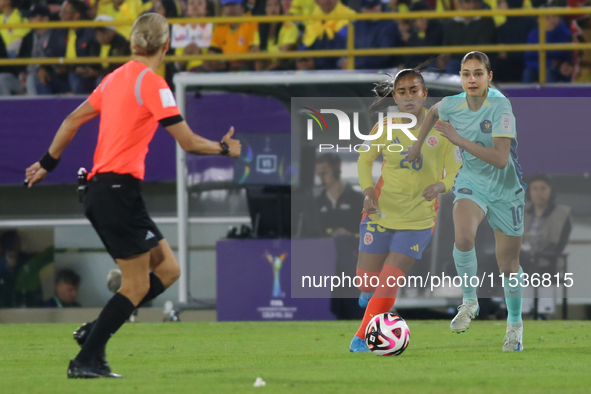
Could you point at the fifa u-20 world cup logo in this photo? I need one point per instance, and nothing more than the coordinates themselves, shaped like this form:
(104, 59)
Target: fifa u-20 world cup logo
(276, 263)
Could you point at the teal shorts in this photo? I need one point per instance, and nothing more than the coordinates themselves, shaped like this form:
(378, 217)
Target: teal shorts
(506, 216)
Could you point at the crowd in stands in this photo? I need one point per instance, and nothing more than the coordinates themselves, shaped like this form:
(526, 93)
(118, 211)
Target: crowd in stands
(22, 277)
(193, 39)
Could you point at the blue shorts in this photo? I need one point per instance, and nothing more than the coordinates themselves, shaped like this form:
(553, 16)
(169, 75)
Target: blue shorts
(506, 216)
(376, 239)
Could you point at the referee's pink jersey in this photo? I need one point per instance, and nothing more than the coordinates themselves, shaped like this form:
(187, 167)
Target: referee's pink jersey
(131, 101)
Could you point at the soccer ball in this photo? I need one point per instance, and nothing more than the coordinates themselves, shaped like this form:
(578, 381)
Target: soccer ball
(387, 334)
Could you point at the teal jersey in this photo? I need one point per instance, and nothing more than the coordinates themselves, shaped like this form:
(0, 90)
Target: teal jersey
(494, 119)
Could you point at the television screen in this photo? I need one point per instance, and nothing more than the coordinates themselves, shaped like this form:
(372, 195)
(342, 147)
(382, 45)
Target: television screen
(265, 159)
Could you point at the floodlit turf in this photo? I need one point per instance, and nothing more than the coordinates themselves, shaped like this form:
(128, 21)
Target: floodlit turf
(301, 357)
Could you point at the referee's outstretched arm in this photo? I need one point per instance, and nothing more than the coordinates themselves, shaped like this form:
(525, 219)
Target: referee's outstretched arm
(198, 145)
(64, 135)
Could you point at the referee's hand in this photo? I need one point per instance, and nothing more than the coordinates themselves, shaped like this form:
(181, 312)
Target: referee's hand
(234, 145)
(35, 174)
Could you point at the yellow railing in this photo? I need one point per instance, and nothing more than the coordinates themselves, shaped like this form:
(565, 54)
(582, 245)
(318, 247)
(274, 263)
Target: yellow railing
(542, 47)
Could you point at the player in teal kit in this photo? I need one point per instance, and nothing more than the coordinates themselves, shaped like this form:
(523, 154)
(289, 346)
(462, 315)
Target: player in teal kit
(480, 121)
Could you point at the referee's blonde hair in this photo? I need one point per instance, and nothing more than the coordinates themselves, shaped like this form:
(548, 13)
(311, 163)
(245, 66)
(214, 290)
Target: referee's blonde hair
(148, 34)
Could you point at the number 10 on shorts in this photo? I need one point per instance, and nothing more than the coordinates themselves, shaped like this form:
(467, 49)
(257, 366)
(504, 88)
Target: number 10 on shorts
(517, 213)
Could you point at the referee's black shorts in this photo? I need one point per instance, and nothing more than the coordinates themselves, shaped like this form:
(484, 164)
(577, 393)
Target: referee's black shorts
(114, 205)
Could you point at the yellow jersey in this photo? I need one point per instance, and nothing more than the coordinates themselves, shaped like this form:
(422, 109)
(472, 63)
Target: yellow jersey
(9, 35)
(128, 11)
(234, 41)
(288, 35)
(302, 7)
(399, 188)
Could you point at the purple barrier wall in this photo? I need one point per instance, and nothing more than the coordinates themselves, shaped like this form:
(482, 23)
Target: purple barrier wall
(546, 91)
(29, 126)
(254, 281)
(545, 126)
(553, 135)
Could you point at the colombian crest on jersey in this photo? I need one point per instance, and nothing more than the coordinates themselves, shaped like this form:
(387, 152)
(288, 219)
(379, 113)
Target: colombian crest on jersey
(486, 126)
(432, 141)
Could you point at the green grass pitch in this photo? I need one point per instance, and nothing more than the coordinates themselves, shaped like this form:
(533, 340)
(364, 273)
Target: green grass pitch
(301, 357)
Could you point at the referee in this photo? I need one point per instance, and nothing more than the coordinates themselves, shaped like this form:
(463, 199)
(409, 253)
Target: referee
(132, 101)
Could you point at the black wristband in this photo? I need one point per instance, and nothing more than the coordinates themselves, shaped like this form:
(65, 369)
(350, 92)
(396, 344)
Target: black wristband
(225, 148)
(48, 162)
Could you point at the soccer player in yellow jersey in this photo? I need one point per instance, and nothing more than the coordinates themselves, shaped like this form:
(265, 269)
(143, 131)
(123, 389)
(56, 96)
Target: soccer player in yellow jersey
(400, 209)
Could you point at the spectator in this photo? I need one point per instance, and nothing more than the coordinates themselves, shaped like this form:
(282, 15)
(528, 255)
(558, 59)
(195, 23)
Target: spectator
(33, 46)
(111, 44)
(302, 7)
(168, 9)
(68, 43)
(445, 5)
(558, 63)
(66, 289)
(420, 32)
(232, 38)
(54, 8)
(339, 203)
(123, 10)
(254, 7)
(14, 289)
(401, 6)
(374, 34)
(276, 37)
(329, 34)
(9, 83)
(466, 31)
(193, 39)
(509, 65)
(547, 227)
(92, 8)
(339, 217)
(12, 37)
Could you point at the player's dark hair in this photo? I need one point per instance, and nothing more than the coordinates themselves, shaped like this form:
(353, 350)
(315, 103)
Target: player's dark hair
(482, 58)
(386, 89)
(334, 162)
(67, 276)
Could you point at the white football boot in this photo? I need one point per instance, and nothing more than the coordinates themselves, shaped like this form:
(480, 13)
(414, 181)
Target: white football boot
(466, 312)
(514, 338)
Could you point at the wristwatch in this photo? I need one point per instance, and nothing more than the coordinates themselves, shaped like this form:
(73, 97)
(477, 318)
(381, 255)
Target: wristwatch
(225, 148)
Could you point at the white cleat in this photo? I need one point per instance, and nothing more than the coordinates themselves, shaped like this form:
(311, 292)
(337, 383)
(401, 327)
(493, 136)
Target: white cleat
(514, 338)
(466, 312)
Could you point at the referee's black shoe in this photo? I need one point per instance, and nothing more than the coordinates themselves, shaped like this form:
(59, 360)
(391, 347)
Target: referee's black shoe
(80, 336)
(82, 333)
(77, 370)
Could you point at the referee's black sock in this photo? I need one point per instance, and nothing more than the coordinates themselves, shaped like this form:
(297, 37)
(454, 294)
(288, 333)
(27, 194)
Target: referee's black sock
(114, 314)
(156, 288)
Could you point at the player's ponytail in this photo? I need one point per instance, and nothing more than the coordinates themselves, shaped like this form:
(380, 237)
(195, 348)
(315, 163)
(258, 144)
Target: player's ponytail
(383, 90)
(148, 34)
(482, 58)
